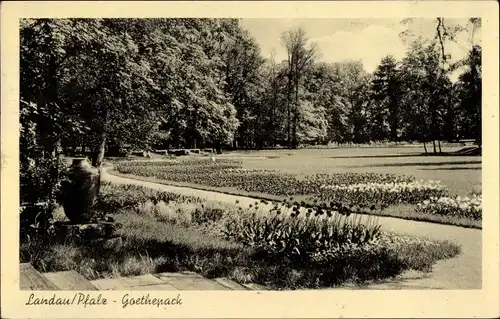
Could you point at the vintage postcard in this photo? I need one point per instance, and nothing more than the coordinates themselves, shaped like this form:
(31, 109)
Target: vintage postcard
(250, 159)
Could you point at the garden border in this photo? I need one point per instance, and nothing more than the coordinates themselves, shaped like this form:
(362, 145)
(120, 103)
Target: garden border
(110, 169)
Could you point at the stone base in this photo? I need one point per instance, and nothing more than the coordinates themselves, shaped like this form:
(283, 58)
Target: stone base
(101, 229)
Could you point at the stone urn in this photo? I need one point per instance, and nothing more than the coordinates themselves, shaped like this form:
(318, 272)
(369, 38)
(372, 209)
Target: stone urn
(80, 189)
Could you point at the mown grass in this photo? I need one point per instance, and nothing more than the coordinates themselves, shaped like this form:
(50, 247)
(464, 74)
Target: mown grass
(459, 174)
(153, 240)
(408, 212)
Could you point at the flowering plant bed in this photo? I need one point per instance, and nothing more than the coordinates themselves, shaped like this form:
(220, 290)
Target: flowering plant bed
(376, 188)
(453, 206)
(390, 193)
(367, 193)
(285, 248)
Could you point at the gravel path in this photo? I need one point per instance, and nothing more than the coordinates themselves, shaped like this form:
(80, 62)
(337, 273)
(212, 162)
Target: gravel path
(461, 272)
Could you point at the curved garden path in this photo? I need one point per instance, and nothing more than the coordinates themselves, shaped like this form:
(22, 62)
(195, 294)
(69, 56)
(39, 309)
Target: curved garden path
(461, 272)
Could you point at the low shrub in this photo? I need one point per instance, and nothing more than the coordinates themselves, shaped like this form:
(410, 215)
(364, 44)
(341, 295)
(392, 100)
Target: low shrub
(182, 213)
(180, 162)
(384, 256)
(330, 246)
(115, 197)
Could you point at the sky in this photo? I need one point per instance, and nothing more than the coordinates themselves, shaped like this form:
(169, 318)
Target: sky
(368, 40)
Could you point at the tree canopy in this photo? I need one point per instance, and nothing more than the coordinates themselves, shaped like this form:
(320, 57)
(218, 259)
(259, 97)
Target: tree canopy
(109, 84)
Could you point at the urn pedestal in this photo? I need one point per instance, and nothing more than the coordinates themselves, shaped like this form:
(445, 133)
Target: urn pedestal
(81, 191)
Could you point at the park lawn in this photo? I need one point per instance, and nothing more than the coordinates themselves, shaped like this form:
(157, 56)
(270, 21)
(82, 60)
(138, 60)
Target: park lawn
(460, 174)
(164, 232)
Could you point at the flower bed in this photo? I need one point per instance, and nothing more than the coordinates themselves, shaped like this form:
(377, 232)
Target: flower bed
(453, 206)
(332, 245)
(289, 248)
(368, 193)
(362, 188)
(184, 162)
(383, 193)
(294, 234)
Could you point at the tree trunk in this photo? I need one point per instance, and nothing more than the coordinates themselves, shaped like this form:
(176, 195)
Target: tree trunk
(289, 111)
(218, 147)
(294, 132)
(73, 149)
(425, 148)
(434, 145)
(259, 143)
(295, 112)
(98, 155)
(56, 153)
(479, 132)
(439, 144)
(289, 127)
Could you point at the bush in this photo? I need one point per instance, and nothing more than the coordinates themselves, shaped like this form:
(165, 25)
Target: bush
(318, 248)
(115, 197)
(41, 130)
(39, 164)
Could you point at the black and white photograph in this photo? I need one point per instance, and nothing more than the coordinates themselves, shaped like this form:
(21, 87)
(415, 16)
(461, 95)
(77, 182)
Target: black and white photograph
(184, 154)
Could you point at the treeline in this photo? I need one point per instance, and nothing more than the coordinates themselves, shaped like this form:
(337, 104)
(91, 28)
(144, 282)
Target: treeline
(304, 101)
(108, 84)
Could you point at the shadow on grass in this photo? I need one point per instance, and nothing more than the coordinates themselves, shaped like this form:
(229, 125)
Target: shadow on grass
(453, 169)
(404, 155)
(466, 151)
(415, 164)
(378, 156)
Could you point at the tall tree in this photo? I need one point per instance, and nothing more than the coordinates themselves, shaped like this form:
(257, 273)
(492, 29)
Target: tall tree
(386, 88)
(242, 69)
(427, 90)
(188, 68)
(44, 118)
(325, 92)
(355, 92)
(272, 128)
(469, 89)
(110, 69)
(300, 57)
